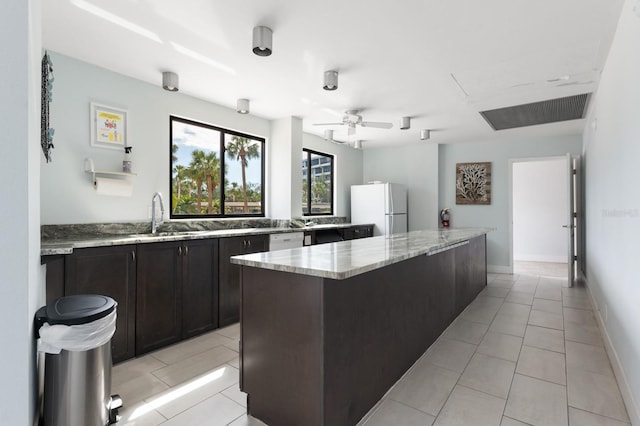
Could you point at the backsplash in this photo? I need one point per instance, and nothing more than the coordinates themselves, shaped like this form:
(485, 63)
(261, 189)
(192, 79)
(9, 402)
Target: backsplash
(82, 230)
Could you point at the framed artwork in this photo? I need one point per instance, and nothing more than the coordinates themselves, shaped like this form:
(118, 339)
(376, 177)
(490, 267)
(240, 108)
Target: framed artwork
(108, 127)
(473, 183)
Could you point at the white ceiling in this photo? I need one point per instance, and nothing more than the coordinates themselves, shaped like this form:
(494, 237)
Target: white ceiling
(437, 61)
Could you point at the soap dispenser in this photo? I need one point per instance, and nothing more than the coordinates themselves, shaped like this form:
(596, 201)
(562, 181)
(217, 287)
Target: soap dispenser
(126, 162)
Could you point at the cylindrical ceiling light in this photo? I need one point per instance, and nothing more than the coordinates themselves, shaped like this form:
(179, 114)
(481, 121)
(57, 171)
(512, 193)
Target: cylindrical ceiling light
(262, 41)
(357, 144)
(242, 106)
(328, 135)
(330, 80)
(405, 123)
(425, 134)
(170, 81)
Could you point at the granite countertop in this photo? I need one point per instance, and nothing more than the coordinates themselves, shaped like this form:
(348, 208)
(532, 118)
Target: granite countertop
(349, 258)
(64, 244)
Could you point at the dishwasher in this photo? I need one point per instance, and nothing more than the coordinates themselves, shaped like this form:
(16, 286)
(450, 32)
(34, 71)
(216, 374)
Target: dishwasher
(285, 240)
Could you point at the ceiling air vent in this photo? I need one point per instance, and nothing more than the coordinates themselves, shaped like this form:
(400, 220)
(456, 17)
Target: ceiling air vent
(550, 111)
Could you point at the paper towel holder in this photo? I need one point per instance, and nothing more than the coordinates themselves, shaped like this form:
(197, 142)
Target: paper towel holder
(90, 168)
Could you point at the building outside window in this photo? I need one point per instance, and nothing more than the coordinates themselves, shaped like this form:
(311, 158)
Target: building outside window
(215, 172)
(317, 183)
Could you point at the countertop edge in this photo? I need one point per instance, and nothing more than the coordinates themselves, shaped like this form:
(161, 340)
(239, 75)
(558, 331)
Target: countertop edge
(253, 260)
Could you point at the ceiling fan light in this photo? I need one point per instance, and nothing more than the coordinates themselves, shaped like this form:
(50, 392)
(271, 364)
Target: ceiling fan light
(330, 80)
(242, 106)
(262, 41)
(170, 81)
(425, 134)
(405, 123)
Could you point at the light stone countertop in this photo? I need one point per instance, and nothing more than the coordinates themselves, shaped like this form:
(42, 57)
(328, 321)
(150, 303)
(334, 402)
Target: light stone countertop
(54, 246)
(349, 258)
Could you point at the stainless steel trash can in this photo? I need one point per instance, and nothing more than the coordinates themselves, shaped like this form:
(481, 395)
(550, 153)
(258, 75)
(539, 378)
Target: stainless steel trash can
(77, 383)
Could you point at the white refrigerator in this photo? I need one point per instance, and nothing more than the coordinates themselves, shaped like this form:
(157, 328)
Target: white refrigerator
(383, 204)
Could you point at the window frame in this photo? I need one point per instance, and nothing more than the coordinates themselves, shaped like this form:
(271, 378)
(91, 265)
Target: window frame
(223, 132)
(321, 165)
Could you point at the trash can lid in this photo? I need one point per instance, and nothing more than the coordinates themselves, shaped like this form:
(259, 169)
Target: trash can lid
(77, 309)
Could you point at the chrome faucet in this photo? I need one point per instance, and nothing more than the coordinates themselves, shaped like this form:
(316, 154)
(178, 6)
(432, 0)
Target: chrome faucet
(154, 222)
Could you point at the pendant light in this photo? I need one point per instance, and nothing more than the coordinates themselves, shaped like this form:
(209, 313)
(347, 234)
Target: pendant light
(405, 123)
(425, 134)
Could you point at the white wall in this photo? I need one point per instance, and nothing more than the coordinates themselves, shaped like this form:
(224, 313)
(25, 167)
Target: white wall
(348, 165)
(495, 215)
(21, 278)
(67, 192)
(540, 206)
(416, 167)
(611, 153)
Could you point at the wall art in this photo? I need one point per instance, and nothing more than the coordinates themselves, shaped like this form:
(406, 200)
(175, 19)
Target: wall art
(473, 183)
(108, 127)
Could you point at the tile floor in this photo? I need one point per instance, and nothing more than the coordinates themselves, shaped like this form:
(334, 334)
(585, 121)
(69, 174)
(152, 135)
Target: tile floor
(526, 351)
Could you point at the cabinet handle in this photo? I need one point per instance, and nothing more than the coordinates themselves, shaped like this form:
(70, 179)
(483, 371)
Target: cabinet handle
(133, 256)
(186, 250)
(249, 241)
(180, 251)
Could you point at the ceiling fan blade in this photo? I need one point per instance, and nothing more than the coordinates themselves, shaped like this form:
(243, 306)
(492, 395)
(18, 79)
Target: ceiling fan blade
(328, 124)
(377, 124)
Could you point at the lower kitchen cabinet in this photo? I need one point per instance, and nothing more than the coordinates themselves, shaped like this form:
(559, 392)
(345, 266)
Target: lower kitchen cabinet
(177, 292)
(109, 271)
(159, 295)
(355, 232)
(229, 294)
(199, 287)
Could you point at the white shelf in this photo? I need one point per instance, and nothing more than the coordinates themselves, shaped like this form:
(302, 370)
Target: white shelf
(89, 168)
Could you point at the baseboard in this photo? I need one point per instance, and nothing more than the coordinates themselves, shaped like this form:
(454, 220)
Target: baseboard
(497, 269)
(540, 258)
(618, 369)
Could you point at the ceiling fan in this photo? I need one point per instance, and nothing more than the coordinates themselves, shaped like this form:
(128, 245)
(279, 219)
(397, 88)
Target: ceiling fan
(352, 119)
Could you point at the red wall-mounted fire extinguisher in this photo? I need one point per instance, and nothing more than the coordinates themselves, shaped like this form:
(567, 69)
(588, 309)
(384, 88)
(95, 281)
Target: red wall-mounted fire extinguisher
(444, 217)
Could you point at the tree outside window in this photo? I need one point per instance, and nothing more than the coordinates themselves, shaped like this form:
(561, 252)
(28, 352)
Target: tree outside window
(215, 172)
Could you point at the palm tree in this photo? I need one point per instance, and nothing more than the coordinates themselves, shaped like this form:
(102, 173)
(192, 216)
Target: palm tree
(180, 171)
(212, 171)
(197, 172)
(243, 150)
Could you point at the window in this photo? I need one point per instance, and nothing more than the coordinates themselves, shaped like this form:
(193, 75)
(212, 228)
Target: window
(317, 183)
(203, 156)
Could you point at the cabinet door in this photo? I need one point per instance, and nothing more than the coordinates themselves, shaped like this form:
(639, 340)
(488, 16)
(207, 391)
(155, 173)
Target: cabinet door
(109, 271)
(229, 293)
(159, 296)
(199, 287)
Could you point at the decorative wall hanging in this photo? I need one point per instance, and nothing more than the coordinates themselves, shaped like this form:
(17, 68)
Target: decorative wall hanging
(46, 133)
(473, 183)
(108, 127)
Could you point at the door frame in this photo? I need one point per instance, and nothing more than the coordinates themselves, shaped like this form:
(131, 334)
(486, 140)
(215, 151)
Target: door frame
(512, 161)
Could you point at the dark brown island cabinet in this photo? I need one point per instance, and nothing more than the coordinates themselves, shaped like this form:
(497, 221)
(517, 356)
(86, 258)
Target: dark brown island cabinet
(230, 274)
(322, 351)
(177, 292)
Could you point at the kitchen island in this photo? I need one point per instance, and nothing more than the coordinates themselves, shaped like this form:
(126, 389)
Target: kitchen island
(327, 330)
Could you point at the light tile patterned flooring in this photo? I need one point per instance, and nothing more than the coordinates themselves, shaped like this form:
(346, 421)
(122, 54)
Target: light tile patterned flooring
(526, 351)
